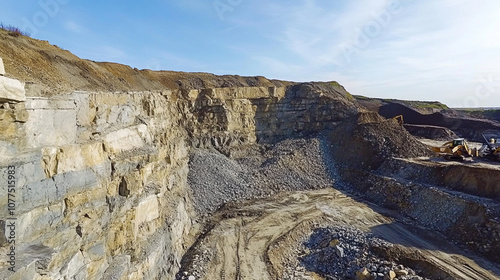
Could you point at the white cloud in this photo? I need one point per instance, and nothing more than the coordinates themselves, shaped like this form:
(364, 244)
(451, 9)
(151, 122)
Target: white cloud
(430, 50)
(74, 27)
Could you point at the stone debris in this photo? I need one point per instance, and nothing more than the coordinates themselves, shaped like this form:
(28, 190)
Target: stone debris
(352, 257)
(290, 165)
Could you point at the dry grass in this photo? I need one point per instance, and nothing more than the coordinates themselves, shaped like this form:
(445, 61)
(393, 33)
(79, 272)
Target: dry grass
(13, 30)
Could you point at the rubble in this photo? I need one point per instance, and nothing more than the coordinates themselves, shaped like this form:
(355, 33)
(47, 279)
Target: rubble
(357, 258)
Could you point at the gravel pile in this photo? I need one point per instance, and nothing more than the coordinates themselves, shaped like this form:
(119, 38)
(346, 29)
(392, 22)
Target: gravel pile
(343, 252)
(290, 165)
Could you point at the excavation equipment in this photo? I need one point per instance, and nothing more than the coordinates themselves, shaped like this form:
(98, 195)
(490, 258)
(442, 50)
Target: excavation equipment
(458, 150)
(490, 149)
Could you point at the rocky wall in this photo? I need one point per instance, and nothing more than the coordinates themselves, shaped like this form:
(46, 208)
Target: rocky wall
(227, 117)
(100, 186)
(101, 178)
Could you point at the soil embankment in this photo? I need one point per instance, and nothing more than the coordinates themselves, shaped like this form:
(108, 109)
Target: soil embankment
(434, 120)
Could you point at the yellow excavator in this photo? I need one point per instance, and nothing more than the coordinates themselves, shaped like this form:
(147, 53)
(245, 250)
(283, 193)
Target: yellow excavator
(399, 119)
(457, 149)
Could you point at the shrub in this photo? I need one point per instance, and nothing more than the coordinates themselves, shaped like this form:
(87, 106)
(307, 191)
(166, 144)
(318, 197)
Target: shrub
(13, 31)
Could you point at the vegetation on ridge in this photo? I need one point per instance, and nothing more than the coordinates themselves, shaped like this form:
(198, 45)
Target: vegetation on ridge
(13, 31)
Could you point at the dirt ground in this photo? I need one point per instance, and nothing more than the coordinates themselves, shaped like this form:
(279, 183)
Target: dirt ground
(239, 244)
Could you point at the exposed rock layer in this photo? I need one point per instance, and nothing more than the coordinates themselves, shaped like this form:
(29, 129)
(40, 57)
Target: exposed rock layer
(108, 171)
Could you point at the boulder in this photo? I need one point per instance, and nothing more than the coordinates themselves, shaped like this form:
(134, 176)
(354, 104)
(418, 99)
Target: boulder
(401, 272)
(11, 90)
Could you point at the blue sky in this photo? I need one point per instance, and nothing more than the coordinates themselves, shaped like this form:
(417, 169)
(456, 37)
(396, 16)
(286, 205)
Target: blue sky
(444, 50)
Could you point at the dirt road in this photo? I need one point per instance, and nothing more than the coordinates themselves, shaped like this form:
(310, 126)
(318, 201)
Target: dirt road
(243, 240)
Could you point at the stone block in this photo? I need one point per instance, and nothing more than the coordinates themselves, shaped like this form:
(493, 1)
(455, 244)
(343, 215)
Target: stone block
(146, 211)
(85, 114)
(78, 157)
(50, 123)
(48, 191)
(11, 90)
(124, 140)
(2, 69)
(75, 182)
(39, 221)
(34, 103)
(37, 194)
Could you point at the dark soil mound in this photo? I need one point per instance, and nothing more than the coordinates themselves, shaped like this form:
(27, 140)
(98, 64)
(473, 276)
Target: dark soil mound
(431, 132)
(367, 140)
(469, 128)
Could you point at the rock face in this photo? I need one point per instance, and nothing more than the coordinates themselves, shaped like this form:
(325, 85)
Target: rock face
(236, 116)
(101, 187)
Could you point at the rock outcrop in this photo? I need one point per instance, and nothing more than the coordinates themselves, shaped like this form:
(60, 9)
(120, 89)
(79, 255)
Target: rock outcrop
(100, 186)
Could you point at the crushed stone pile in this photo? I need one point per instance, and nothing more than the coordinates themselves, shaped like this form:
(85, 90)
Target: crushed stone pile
(290, 165)
(343, 252)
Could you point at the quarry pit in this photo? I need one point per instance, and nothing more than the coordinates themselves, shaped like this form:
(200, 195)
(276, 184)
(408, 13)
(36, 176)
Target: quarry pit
(135, 174)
